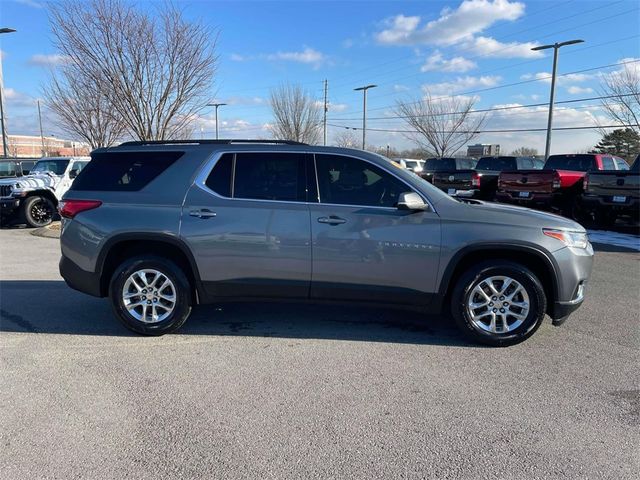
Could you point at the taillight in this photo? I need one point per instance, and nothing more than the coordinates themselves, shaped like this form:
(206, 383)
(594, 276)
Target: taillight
(556, 180)
(475, 179)
(70, 208)
(585, 182)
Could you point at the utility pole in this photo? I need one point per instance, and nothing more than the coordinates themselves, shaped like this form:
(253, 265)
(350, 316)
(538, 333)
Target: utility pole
(5, 138)
(41, 134)
(217, 105)
(364, 112)
(326, 107)
(556, 47)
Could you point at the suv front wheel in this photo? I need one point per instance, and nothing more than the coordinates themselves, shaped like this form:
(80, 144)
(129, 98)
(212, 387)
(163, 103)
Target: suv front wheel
(150, 295)
(498, 303)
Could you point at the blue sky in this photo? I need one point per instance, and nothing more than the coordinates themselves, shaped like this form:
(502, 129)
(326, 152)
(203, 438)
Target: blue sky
(407, 48)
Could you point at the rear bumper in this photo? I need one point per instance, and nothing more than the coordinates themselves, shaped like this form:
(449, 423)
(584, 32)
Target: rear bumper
(539, 199)
(79, 279)
(595, 202)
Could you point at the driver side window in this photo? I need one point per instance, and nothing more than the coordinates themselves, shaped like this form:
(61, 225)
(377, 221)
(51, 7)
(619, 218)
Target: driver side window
(349, 181)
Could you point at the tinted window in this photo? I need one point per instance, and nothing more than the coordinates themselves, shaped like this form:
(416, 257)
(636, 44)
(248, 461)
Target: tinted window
(123, 171)
(577, 163)
(8, 169)
(270, 176)
(621, 163)
(349, 181)
(439, 164)
(219, 179)
(496, 163)
(26, 167)
(56, 166)
(607, 163)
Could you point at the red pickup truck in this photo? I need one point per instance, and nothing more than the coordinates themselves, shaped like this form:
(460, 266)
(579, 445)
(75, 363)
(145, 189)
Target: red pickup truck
(558, 186)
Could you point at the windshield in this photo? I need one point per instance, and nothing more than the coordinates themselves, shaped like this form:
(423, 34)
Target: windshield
(58, 167)
(411, 163)
(439, 164)
(576, 163)
(497, 163)
(8, 169)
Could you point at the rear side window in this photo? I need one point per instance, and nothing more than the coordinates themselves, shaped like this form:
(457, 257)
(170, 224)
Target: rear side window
(496, 163)
(621, 163)
(220, 178)
(123, 171)
(270, 176)
(607, 163)
(440, 164)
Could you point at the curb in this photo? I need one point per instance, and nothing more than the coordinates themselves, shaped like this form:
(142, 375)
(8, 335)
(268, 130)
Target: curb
(50, 231)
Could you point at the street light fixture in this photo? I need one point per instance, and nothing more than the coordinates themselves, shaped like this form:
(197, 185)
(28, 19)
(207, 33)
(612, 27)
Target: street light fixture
(216, 105)
(556, 47)
(364, 111)
(5, 140)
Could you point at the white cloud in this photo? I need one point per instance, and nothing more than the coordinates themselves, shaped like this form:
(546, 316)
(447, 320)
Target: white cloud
(460, 84)
(333, 107)
(307, 55)
(437, 62)
(51, 60)
(490, 47)
(400, 88)
(575, 90)
(471, 17)
(560, 79)
(239, 100)
(15, 98)
(30, 3)
(237, 57)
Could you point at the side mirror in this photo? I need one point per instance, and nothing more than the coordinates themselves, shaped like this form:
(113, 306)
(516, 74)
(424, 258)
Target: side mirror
(411, 201)
(73, 173)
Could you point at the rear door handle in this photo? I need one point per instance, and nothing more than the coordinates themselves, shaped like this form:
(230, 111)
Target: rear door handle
(332, 220)
(204, 213)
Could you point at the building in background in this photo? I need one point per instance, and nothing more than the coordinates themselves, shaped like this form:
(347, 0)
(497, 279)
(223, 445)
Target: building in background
(483, 150)
(30, 146)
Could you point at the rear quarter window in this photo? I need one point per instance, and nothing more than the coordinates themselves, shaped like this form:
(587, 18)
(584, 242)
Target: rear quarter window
(123, 171)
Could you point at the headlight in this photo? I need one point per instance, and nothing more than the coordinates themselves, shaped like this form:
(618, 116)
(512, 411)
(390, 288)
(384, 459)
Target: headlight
(570, 238)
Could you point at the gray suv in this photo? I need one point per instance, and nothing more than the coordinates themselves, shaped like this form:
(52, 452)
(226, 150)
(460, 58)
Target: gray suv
(159, 227)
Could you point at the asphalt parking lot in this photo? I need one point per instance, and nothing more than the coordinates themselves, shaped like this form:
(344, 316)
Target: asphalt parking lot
(293, 391)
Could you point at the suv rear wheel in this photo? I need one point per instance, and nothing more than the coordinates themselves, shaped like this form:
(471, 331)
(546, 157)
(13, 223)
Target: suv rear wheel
(150, 295)
(498, 303)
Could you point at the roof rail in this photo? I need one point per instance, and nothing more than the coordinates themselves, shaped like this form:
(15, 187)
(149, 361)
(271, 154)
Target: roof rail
(205, 142)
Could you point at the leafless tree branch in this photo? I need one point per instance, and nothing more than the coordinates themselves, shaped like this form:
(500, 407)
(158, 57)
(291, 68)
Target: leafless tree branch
(296, 114)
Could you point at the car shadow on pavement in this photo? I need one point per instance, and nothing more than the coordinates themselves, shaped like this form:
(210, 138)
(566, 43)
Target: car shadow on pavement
(52, 307)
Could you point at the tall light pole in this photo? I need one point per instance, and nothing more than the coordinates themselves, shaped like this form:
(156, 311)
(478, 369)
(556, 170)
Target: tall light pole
(364, 111)
(216, 105)
(5, 140)
(556, 47)
(41, 134)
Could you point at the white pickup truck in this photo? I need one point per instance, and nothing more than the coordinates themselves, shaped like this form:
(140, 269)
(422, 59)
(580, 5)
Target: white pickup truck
(33, 199)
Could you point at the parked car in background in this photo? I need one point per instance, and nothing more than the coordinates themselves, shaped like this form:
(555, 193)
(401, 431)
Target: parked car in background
(33, 199)
(207, 221)
(557, 186)
(410, 164)
(446, 164)
(12, 168)
(613, 193)
(482, 181)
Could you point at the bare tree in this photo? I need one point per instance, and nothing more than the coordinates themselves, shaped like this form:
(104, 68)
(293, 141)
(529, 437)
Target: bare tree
(297, 115)
(442, 125)
(623, 88)
(524, 152)
(346, 139)
(157, 69)
(83, 107)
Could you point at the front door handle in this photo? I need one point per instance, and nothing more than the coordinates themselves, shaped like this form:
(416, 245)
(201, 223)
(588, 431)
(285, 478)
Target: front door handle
(332, 220)
(204, 213)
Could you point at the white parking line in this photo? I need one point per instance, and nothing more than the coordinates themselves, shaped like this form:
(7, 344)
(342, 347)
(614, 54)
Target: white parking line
(614, 238)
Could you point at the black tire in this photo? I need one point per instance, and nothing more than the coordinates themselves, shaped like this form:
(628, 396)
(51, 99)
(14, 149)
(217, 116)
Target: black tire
(574, 209)
(480, 272)
(38, 211)
(171, 271)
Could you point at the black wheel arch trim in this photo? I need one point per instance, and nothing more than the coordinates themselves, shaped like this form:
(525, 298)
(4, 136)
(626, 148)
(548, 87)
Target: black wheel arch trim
(547, 258)
(155, 237)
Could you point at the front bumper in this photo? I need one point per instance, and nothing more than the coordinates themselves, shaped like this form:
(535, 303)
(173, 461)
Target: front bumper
(8, 205)
(79, 279)
(574, 269)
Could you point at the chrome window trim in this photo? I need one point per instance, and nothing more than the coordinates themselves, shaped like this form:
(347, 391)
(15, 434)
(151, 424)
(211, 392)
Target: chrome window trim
(209, 165)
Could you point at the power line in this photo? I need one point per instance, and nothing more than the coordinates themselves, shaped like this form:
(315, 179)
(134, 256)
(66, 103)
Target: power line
(514, 130)
(493, 109)
(497, 87)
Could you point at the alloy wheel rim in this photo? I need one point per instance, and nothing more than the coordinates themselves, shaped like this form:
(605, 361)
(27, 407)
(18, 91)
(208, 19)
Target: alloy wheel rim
(149, 296)
(497, 305)
(41, 212)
